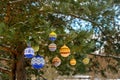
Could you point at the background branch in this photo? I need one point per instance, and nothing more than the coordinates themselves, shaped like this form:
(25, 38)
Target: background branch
(3, 70)
(7, 49)
(103, 55)
(4, 59)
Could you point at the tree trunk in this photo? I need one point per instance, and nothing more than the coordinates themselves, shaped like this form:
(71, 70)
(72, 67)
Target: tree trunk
(13, 75)
(20, 62)
(20, 68)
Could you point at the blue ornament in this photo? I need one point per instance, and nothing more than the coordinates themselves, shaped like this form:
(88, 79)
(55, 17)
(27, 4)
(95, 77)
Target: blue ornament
(38, 62)
(52, 36)
(29, 52)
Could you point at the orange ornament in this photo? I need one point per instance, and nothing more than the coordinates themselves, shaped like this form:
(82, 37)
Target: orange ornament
(56, 61)
(73, 62)
(64, 51)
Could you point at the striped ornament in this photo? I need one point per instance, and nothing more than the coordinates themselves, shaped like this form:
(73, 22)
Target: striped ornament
(52, 47)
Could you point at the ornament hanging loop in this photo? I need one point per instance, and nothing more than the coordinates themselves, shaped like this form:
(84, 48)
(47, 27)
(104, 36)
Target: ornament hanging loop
(53, 29)
(28, 43)
(64, 38)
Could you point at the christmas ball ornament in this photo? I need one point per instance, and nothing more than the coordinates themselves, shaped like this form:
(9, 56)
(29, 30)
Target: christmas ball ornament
(64, 51)
(36, 48)
(38, 62)
(56, 61)
(52, 47)
(29, 52)
(86, 60)
(73, 62)
(52, 36)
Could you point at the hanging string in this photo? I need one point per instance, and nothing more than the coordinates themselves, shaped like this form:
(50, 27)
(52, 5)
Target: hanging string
(53, 29)
(37, 53)
(64, 38)
(28, 43)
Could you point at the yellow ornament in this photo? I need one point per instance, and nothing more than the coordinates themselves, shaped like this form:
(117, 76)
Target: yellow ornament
(73, 62)
(64, 51)
(86, 60)
(36, 48)
(52, 36)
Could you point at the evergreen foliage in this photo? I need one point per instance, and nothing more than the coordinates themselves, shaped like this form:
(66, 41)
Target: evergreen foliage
(23, 21)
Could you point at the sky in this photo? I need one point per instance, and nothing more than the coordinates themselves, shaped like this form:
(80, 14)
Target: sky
(80, 24)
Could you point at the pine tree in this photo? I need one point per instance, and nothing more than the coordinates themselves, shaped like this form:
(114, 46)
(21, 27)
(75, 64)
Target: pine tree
(32, 20)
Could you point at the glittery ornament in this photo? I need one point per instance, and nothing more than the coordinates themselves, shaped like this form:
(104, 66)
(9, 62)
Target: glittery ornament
(38, 62)
(86, 60)
(29, 52)
(56, 61)
(52, 36)
(52, 47)
(64, 51)
(73, 62)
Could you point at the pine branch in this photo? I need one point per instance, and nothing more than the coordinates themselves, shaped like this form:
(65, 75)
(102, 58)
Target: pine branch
(16, 1)
(99, 25)
(4, 59)
(86, 19)
(43, 77)
(7, 49)
(5, 70)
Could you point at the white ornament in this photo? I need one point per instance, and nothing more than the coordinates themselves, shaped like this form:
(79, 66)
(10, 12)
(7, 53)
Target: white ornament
(38, 62)
(29, 52)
